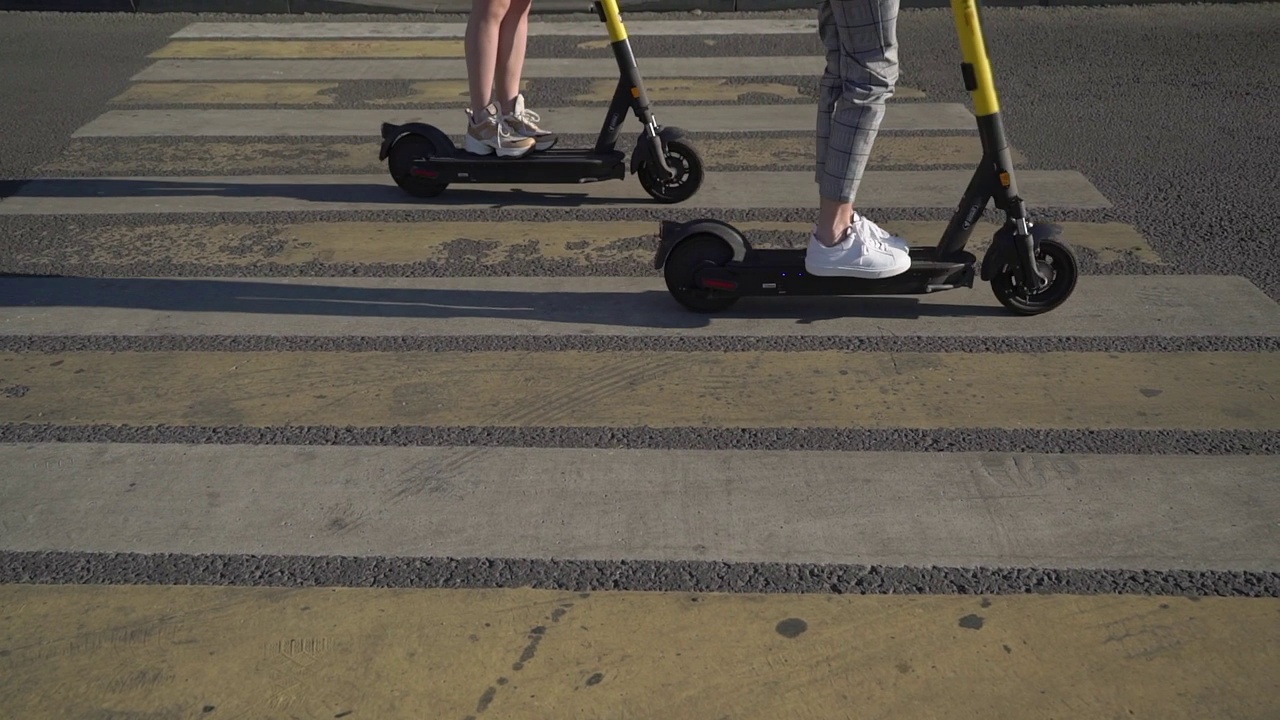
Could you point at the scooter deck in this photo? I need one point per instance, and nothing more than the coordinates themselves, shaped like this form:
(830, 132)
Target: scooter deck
(555, 165)
(782, 272)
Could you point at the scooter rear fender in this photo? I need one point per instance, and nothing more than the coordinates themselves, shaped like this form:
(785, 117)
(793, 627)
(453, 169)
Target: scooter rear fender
(392, 134)
(671, 233)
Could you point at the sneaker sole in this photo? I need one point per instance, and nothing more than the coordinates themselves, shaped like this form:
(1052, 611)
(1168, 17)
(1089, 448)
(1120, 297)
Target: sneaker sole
(859, 273)
(476, 147)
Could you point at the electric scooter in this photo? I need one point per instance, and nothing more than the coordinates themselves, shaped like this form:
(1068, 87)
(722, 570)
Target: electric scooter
(424, 161)
(709, 264)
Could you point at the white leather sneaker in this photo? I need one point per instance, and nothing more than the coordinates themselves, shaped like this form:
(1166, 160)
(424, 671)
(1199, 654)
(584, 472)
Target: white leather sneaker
(858, 254)
(866, 228)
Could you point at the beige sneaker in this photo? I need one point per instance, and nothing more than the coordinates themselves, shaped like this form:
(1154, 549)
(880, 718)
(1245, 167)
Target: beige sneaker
(524, 123)
(487, 135)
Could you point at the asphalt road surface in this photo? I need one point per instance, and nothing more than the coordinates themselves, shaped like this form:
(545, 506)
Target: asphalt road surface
(233, 355)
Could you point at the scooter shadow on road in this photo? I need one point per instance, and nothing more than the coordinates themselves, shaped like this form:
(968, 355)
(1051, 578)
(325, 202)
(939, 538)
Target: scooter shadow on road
(347, 193)
(642, 309)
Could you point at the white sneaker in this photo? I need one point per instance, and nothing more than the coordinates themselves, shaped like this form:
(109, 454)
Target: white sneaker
(866, 228)
(524, 123)
(856, 255)
(488, 134)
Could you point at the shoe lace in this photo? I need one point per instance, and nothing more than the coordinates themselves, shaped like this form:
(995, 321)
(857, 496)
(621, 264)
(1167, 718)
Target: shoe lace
(528, 117)
(876, 243)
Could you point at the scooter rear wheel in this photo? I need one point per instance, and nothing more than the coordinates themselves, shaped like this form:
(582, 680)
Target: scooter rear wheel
(682, 265)
(408, 150)
(685, 161)
(1057, 262)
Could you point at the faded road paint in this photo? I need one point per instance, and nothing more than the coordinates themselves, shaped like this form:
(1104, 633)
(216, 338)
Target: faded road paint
(450, 92)
(522, 653)
(249, 93)
(347, 192)
(1184, 391)
(245, 49)
(450, 69)
(330, 155)
(487, 243)
(768, 26)
(914, 509)
(364, 122)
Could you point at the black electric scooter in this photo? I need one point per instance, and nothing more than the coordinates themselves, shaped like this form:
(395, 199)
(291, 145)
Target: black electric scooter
(423, 160)
(708, 264)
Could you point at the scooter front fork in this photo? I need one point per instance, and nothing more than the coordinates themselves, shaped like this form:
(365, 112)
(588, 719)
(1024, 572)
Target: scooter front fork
(657, 149)
(1025, 247)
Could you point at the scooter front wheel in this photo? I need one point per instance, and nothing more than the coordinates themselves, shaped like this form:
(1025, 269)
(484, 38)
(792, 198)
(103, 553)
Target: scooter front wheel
(407, 151)
(1057, 262)
(681, 268)
(687, 164)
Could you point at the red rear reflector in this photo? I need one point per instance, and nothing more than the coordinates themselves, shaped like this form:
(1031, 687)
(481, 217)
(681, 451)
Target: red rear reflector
(720, 284)
(423, 173)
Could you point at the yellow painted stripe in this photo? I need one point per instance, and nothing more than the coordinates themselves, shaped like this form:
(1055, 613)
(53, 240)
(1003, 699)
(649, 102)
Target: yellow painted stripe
(604, 44)
(694, 89)
(591, 243)
(522, 653)
(436, 92)
(660, 90)
(568, 388)
(310, 49)
(708, 89)
(228, 93)
(445, 92)
(145, 157)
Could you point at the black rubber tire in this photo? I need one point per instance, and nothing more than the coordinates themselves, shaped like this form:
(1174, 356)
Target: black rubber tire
(401, 159)
(691, 255)
(1057, 261)
(683, 157)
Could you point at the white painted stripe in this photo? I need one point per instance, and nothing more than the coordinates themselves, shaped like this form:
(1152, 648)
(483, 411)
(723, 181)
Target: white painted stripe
(456, 69)
(921, 509)
(279, 193)
(1102, 306)
(585, 120)
(589, 29)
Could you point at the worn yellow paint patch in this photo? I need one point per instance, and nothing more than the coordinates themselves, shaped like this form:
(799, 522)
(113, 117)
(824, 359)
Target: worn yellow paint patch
(619, 389)
(662, 90)
(310, 49)
(591, 243)
(435, 92)
(602, 44)
(228, 93)
(326, 155)
(693, 89)
(916, 150)
(522, 653)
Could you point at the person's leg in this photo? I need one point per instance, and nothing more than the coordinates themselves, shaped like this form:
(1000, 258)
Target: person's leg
(513, 34)
(862, 70)
(830, 88)
(512, 40)
(485, 133)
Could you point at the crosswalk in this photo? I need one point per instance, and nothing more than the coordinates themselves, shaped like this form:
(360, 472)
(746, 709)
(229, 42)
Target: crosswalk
(234, 353)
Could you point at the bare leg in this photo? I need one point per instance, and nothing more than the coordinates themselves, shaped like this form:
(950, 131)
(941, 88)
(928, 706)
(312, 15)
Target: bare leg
(513, 37)
(481, 46)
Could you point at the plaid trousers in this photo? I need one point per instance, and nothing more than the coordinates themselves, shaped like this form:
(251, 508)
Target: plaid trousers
(861, 38)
